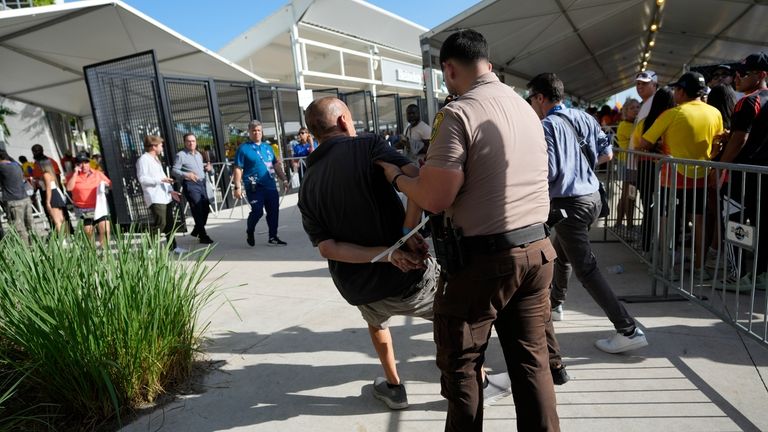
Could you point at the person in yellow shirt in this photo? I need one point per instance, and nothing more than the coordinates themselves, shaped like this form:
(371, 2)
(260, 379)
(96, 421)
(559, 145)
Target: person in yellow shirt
(26, 166)
(688, 131)
(95, 162)
(626, 205)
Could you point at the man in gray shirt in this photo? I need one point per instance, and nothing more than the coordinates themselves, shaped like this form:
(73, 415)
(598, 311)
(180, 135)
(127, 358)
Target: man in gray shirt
(15, 196)
(190, 169)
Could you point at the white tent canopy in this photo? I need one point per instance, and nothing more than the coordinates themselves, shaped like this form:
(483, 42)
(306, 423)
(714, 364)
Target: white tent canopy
(330, 43)
(43, 51)
(597, 46)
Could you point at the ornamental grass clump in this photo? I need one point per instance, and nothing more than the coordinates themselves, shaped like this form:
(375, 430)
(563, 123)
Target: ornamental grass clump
(98, 332)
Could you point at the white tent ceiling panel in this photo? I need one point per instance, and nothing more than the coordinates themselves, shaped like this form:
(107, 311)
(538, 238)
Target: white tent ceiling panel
(44, 50)
(701, 16)
(366, 22)
(751, 27)
(566, 52)
(15, 66)
(590, 14)
(69, 98)
(597, 46)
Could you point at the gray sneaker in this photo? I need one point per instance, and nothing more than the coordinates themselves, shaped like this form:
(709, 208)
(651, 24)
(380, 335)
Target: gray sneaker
(496, 387)
(395, 397)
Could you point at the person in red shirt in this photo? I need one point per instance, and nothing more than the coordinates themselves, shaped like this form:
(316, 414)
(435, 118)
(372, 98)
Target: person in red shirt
(84, 184)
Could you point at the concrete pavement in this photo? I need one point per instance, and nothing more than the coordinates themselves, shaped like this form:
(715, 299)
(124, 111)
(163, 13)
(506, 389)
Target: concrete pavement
(291, 355)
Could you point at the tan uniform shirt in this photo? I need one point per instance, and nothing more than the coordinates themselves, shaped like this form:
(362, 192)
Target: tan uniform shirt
(496, 138)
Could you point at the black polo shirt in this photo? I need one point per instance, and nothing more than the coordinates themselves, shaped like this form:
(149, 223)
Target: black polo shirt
(749, 115)
(345, 197)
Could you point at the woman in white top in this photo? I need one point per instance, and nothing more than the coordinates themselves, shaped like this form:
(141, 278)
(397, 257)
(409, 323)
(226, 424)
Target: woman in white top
(53, 197)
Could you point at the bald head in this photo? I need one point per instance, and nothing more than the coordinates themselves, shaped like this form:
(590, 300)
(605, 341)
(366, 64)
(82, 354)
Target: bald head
(328, 117)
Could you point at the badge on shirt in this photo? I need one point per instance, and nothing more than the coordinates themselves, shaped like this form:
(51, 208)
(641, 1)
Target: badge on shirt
(436, 125)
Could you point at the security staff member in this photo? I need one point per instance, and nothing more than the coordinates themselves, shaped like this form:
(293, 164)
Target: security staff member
(487, 169)
(258, 165)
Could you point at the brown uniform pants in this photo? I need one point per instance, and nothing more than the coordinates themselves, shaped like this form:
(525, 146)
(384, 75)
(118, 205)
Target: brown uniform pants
(509, 290)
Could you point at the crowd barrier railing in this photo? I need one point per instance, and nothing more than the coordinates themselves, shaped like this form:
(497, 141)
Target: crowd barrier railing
(697, 224)
(294, 169)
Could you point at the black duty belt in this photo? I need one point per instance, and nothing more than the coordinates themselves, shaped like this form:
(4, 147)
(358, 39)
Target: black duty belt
(520, 237)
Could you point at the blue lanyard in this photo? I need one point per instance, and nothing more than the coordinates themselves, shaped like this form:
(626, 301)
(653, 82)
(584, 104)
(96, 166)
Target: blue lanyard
(555, 109)
(257, 149)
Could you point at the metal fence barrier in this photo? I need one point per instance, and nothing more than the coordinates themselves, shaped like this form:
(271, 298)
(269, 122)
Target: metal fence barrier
(294, 169)
(697, 226)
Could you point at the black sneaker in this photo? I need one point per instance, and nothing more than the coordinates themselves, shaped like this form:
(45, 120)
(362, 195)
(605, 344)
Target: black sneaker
(559, 375)
(250, 240)
(194, 233)
(393, 395)
(275, 241)
(204, 239)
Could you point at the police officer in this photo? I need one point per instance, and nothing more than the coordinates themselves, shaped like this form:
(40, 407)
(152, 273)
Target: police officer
(487, 169)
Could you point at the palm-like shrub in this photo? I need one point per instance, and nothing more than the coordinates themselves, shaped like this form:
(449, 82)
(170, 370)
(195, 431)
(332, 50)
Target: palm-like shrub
(98, 332)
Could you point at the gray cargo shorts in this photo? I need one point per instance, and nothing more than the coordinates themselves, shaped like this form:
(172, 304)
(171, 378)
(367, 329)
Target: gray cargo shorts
(416, 301)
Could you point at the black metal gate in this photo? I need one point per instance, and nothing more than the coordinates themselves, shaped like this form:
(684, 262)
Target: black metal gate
(235, 111)
(126, 99)
(388, 114)
(361, 107)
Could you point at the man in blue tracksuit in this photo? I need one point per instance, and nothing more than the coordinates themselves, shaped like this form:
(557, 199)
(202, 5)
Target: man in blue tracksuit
(256, 166)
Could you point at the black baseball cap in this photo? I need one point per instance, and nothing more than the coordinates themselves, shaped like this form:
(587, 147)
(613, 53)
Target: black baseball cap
(691, 81)
(82, 157)
(754, 62)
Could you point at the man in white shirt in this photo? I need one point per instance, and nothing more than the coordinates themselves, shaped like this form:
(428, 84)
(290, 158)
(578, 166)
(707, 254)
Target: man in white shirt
(417, 134)
(158, 189)
(646, 84)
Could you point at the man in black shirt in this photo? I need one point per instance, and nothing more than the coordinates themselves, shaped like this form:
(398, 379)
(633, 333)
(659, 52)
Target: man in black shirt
(352, 214)
(747, 145)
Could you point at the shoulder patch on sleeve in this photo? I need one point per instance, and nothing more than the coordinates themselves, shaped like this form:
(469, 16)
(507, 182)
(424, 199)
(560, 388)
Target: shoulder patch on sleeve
(436, 125)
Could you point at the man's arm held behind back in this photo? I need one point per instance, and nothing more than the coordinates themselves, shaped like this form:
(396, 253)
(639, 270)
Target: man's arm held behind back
(356, 254)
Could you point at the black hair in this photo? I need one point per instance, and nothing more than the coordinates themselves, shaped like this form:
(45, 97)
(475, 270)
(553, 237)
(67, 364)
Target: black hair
(464, 46)
(4, 155)
(663, 100)
(548, 85)
(723, 97)
(694, 93)
(23, 159)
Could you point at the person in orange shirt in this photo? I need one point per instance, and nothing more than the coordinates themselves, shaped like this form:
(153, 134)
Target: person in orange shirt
(84, 184)
(39, 155)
